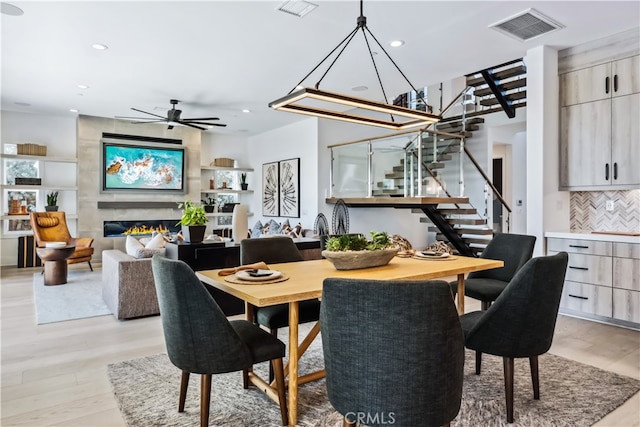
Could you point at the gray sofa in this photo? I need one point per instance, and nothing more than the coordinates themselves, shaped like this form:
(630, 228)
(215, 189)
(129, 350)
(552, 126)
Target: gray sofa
(127, 285)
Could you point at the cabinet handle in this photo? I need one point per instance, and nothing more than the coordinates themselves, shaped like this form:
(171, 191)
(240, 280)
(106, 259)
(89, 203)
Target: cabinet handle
(615, 83)
(606, 172)
(578, 296)
(606, 85)
(615, 170)
(579, 268)
(579, 246)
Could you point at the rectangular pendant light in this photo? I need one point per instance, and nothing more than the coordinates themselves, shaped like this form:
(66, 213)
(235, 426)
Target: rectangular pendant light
(412, 118)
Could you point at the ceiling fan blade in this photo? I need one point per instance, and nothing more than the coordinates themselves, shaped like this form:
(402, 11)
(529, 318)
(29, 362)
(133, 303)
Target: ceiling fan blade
(148, 121)
(190, 125)
(138, 118)
(201, 118)
(201, 123)
(222, 125)
(146, 112)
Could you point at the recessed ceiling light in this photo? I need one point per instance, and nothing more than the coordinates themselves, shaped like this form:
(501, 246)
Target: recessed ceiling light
(99, 46)
(246, 111)
(9, 9)
(396, 43)
(73, 110)
(359, 88)
(83, 86)
(297, 8)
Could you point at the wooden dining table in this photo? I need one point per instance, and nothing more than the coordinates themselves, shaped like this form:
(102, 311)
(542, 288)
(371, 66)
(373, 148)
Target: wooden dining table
(305, 282)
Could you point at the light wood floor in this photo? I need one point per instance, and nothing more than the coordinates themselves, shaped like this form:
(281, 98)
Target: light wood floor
(55, 374)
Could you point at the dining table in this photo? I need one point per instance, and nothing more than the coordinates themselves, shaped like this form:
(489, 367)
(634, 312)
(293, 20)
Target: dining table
(304, 282)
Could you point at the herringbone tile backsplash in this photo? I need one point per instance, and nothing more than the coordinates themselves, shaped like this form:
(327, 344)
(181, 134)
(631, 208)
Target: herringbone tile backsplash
(587, 211)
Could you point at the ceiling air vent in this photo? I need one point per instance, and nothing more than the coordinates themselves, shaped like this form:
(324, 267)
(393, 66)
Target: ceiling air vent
(297, 8)
(526, 25)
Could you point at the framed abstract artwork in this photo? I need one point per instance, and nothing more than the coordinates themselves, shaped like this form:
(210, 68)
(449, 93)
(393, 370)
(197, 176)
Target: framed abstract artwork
(289, 197)
(270, 189)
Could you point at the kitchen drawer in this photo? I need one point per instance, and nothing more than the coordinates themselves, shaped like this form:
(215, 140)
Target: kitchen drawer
(589, 299)
(592, 269)
(626, 250)
(626, 305)
(626, 273)
(590, 247)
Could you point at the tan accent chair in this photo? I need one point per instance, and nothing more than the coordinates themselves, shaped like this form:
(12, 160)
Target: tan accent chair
(52, 227)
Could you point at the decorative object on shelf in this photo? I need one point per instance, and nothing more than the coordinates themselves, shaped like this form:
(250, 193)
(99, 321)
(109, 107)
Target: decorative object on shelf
(239, 223)
(212, 182)
(228, 207)
(270, 189)
(289, 186)
(32, 149)
(28, 181)
(354, 251)
(321, 226)
(209, 204)
(193, 221)
(243, 181)
(340, 218)
(223, 162)
(52, 202)
(333, 104)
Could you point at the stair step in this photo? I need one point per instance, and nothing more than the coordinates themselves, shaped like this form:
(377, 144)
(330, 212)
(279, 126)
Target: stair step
(510, 85)
(499, 75)
(458, 211)
(466, 221)
(477, 231)
(458, 119)
(516, 96)
(457, 127)
(387, 193)
(495, 109)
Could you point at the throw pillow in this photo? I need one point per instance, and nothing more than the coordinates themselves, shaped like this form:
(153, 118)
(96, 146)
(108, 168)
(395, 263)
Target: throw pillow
(274, 227)
(156, 242)
(256, 231)
(137, 250)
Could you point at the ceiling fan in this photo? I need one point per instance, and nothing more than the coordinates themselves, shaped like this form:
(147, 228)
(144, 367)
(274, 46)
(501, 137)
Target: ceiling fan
(173, 118)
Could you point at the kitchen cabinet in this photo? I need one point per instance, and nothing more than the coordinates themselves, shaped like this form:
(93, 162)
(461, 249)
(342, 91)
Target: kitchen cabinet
(599, 126)
(602, 280)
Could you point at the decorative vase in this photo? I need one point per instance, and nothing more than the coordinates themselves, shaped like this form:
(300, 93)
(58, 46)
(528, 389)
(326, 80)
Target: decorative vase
(208, 208)
(51, 208)
(244, 187)
(352, 260)
(239, 223)
(193, 233)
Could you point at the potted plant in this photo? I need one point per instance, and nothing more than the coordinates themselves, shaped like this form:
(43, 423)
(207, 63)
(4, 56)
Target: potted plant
(52, 202)
(209, 204)
(193, 221)
(243, 181)
(353, 251)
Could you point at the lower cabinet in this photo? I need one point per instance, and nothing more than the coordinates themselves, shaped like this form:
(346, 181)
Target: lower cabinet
(602, 280)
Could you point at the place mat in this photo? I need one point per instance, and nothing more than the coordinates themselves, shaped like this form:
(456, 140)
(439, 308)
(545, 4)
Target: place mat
(233, 279)
(424, 258)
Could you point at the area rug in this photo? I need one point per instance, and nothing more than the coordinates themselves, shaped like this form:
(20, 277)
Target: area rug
(572, 394)
(80, 297)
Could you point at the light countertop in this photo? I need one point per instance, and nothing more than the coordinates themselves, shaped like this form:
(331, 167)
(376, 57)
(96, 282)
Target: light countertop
(586, 235)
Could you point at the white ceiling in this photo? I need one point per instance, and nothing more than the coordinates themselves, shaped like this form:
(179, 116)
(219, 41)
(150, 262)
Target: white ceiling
(219, 57)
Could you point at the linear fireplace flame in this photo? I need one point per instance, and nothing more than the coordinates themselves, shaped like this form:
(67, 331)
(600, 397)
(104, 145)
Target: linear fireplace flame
(139, 228)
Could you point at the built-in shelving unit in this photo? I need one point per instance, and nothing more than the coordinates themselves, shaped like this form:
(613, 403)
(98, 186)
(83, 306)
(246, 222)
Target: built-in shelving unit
(232, 188)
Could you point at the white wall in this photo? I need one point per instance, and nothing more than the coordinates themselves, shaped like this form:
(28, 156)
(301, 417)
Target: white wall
(296, 140)
(547, 207)
(58, 133)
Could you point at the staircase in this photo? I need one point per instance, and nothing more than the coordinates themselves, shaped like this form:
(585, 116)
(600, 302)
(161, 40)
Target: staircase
(499, 88)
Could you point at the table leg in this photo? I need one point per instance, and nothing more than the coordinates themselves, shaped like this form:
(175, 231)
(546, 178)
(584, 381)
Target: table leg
(293, 363)
(55, 272)
(460, 294)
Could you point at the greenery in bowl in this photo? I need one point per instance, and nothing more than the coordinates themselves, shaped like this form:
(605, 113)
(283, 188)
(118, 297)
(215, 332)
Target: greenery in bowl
(192, 214)
(357, 242)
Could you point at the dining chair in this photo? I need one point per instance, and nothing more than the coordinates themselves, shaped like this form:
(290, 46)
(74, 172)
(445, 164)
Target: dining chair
(200, 339)
(52, 227)
(393, 351)
(515, 250)
(521, 322)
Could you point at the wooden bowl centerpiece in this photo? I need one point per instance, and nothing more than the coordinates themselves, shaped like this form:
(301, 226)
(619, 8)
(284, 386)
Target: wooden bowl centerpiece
(351, 252)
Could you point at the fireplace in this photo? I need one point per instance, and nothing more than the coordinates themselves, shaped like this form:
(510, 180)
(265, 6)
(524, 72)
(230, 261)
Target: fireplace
(139, 228)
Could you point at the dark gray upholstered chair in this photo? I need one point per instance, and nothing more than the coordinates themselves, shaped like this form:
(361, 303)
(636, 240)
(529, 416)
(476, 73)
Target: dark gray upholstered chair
(515, 250)
(521, 322)
(200, 339)
(274, 250)
(392, 349)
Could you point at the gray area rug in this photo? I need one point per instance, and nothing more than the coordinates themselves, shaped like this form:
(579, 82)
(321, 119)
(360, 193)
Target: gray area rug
(571, 394)
(80, 297)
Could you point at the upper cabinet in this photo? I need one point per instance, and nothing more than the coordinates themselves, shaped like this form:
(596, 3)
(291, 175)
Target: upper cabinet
(599, 126)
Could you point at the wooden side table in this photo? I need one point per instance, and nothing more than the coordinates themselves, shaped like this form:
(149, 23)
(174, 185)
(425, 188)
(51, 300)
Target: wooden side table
(55, 264)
